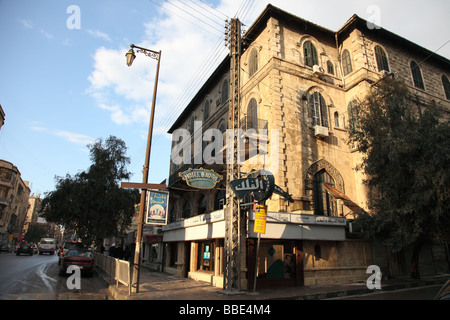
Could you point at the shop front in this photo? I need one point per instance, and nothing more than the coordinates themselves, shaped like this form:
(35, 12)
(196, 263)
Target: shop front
(196, 247)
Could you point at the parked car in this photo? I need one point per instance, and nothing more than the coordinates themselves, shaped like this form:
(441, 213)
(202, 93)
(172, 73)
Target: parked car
(6, 247)
(81, 258)
(47, 245)
(67, 246)
(25, 247)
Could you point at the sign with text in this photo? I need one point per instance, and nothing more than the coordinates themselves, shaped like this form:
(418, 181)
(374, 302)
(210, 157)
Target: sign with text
(260, 219)
(200, 178)
(157, 206)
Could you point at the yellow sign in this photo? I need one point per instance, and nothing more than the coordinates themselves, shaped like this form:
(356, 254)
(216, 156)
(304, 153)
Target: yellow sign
(260, 219)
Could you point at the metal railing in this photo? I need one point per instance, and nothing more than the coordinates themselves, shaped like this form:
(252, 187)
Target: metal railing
(116, 269)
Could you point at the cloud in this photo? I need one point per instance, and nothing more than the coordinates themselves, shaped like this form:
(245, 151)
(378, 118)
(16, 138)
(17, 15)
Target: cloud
(99, 34)
(26, 23)
(127, 92)
(76, 138)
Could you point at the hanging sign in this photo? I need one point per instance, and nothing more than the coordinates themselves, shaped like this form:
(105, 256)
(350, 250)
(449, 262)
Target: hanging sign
(200, 178)
(157, 206)
(261, 187)
(260, 219)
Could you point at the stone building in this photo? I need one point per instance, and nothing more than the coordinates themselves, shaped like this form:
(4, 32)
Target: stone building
(14, 193)
(299, 80)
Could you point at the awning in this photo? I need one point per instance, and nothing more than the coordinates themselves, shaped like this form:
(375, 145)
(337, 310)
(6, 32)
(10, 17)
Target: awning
(345, 199)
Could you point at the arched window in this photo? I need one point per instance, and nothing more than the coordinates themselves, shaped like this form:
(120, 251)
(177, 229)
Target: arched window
(324, 203)
(381, 57)
(252, 114)
(310, 54)
(446, 85)
(202, 205)
(330, 67)
(346, 62)
(318, 109)
(353, 118)
(253, 62)
(206, 108)
(225, 91)
(417, 75)
(186, 210)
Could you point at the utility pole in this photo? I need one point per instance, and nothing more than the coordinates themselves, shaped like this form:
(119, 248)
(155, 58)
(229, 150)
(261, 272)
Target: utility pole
(144, 186)
(233, 223)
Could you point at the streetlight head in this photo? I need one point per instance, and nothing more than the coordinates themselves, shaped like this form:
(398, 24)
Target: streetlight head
(130, 57)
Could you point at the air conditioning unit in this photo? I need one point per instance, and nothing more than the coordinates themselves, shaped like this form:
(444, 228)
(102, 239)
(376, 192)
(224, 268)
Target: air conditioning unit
(320, 131)
(158, 231)
(317, 70)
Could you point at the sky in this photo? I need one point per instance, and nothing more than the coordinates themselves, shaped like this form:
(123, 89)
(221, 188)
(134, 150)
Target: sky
(64, 81)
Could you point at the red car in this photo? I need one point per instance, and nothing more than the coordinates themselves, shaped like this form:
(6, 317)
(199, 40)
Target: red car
(80, 258)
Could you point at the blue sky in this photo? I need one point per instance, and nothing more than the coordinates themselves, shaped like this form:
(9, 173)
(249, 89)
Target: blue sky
(61, 88)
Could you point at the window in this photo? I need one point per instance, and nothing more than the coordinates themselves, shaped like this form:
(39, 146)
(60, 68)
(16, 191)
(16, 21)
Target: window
(330, 67)
(318, 109)
(446, 85)
(191, 124)
(354, 124)
(336, 119)
(206, 110)
(417, 75)
(346, 62)
(186, 210)
(381, 57)
(310, 54)
(253, 62)
(225, 91)
(252, 114)
(220, 199)
(324, 203)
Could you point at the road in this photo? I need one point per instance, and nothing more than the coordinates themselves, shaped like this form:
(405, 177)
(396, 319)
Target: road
(37, 277)
(419, 293)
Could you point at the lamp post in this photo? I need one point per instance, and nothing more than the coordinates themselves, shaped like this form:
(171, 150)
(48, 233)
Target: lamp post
(137, 254)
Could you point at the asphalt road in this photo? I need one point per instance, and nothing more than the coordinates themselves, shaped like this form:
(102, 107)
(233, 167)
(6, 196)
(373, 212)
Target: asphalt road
(37, 277)
(420, 293)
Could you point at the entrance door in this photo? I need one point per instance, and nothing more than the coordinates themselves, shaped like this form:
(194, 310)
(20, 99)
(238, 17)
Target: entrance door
(280, 263)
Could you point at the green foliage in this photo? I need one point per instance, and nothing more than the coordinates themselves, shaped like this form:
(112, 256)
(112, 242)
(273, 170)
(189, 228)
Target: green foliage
(406, 148)
(35, 233)
(92, 202)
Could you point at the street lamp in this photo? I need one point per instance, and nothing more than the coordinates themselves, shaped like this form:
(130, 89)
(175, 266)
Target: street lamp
(137, 255)
(130, 57)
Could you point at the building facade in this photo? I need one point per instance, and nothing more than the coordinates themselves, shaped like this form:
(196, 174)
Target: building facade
(14, 193)
(299, 81)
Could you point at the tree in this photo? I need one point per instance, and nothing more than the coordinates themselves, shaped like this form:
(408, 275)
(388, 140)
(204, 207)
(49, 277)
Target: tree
(35, 232)
(92, 202)
(406, 154)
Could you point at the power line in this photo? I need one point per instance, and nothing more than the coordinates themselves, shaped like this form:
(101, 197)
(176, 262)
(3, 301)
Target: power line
(192, 15)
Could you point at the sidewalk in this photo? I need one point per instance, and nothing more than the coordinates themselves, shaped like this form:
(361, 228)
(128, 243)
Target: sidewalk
(163, 286)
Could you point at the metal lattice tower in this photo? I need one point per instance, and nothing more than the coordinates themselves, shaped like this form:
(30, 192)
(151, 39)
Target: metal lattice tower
(232, 268)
